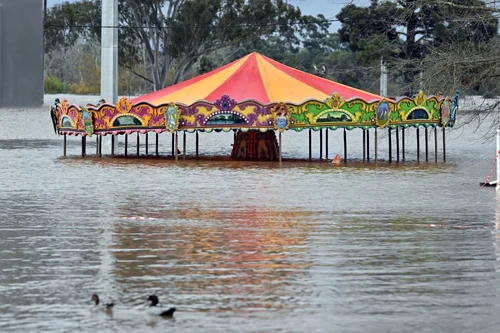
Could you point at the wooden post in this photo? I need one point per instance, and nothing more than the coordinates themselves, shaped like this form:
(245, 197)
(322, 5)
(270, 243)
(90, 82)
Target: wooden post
(126, 144)
(426, 146)
(403, 143)
(364, 145)
(156, 145)
(326, 143)
(376, 145)
(390, 145)
(184, 145)
(197, 142)
(112, 145)
(435, 144)
(64, 148)
(147, 143)
(84, 145)
(138, 144)
(345, 146)
(280, 147)
(444, 144)
(368, 145)
(320, 143)
(397, 144)
(310, 143)
(418, 144)
(176, 152)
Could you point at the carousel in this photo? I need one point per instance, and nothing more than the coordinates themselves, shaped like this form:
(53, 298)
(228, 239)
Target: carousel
(259, 99)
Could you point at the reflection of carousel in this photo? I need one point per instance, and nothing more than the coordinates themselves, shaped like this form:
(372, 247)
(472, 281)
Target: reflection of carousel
(256, 96)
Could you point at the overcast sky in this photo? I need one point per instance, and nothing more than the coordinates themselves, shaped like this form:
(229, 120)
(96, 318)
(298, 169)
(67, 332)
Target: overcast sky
(329, 8)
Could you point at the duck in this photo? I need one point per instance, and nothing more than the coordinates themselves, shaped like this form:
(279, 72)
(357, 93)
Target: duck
(154, 302)
(95, 298)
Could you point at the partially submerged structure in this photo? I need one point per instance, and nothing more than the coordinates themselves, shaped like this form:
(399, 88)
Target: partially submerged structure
(255, 97)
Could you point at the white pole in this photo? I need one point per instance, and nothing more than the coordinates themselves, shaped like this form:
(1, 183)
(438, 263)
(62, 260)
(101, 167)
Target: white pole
(383, 78)
(498, 160)
(109, 53)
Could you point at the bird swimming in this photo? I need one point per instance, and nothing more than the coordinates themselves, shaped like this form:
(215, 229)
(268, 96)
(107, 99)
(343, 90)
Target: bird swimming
(95, 299)
(154, 302)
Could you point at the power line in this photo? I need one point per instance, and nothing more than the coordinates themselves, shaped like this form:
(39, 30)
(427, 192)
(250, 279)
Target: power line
(185, 26)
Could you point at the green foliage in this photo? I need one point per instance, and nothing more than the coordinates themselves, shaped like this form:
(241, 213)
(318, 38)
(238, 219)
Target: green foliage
(52, 85)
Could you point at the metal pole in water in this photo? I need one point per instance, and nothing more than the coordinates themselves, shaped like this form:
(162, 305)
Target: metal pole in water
(310, 143)
(64, 150)
(184, 145)
(138, 144)
(426, 146)
(498, 159)
(197, 143)
(176, 146)
(112, 145)
(345, 146)
(390, 145)
(156, 144)
(326, 143)
(444, 144)
(364, 145)
(435, 144)
(368, 145)
(280, 147)
(397, 144)
(376, 145)
(403, 143)
(418, 145)
(126, 144)
(320, 143)
(147, 143)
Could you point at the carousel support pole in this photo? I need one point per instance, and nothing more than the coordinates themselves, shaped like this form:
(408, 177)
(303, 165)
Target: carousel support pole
(403, 143)
(397, 144)
(368, 145)
(345, 146)
(390, 145)
(84, 145)
(138, 144)
(176, 151)
(418, 144)
(156, 144)
(197, 144)
(498, 160)
(376, 145)
(326, 143)
(435, 144)
(184, 145)
(126, 144)
(280, 147)
(100, 145)
(97, 145)
(147, 142)
(444, 144)
(364, 145)
(112, 145)
(310, 143)
(426, 146)
(320, 143)
(64, 148)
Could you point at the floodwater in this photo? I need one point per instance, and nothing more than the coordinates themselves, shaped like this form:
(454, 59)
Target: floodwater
(246, 247)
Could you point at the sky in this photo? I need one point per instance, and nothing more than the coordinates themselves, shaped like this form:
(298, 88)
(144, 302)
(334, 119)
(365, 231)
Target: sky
(329, 8)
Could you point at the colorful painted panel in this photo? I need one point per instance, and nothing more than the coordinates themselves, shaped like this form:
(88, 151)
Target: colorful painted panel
(227, 113)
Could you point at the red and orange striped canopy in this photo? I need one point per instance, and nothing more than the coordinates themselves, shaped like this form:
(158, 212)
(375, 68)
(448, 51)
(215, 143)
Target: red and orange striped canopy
(254, 77)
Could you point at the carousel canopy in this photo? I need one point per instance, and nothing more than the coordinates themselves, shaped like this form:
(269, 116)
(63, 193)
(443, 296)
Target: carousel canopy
(254, 77)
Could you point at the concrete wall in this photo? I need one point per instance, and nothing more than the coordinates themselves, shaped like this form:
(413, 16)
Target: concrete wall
(21, 53)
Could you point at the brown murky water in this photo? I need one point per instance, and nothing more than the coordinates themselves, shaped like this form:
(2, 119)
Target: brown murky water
(245, 247)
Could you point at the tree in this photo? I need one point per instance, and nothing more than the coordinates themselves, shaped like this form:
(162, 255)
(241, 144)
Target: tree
(404, 32)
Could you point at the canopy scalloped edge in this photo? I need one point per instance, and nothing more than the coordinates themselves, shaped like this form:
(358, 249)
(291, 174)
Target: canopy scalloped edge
(227, 114)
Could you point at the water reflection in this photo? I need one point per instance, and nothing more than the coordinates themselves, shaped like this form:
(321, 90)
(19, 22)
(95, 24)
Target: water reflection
(240, 258)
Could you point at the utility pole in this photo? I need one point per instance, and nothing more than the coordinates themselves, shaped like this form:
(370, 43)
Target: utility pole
(383, 78)
(109, 51)
(109, 54)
